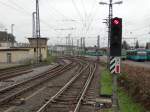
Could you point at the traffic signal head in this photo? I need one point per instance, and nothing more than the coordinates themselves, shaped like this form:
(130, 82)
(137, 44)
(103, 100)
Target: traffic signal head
(115, 37)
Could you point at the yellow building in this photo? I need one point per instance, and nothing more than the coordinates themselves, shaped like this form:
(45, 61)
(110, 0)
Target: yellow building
(14, 55)
(36, 48)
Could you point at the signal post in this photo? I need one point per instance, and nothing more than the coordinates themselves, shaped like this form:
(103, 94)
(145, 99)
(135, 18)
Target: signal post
(115, 55)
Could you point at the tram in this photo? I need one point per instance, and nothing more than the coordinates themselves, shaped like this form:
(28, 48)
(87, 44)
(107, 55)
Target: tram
(137, 55)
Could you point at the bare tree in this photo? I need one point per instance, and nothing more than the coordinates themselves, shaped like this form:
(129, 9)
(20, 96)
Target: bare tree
(125, 45)
(146, 47)
(137, 44)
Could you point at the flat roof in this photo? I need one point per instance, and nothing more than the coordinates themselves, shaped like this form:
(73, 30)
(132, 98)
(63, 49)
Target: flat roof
(39, 38)
(15, 49)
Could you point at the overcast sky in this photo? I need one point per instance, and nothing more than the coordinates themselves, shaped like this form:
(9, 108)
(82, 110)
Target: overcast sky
(85, 17)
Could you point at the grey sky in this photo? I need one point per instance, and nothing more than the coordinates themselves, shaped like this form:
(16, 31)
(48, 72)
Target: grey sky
(85, 16)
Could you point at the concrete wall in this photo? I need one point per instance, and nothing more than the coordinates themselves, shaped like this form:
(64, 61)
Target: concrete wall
(16, 56)
(6, 44)
(33, 53)
(21, 56)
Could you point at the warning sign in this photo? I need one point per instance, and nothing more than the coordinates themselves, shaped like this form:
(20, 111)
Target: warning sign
(115, 65)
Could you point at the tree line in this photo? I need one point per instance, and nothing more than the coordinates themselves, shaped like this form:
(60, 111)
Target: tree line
(126, 46)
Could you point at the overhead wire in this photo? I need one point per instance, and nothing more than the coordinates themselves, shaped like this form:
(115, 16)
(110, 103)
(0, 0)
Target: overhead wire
(28, 13)
(79, 14)
(61, 14)
(56, 14)
(92, 15)
(10, 6)
(85, 17)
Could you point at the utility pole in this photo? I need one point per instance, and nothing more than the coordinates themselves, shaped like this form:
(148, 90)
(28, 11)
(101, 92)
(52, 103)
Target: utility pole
(109, 31)
(69, 44)
(77, 47)
(33, 25)
(72, 47)
(84, 44)
(38, 35)
(66, 45)
(12, 29)
(98, 46)
(68, 40)
(81, 41)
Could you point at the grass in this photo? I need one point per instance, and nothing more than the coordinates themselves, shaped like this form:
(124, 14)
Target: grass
(126, 103)
(106, 83)
(50, 59)
(106, 110)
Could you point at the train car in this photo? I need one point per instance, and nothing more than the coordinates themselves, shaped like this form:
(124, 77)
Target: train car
(94, 53)
(148, 54)
(137, 55)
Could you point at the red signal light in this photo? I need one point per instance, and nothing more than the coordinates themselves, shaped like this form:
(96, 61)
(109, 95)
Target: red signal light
(116, 21)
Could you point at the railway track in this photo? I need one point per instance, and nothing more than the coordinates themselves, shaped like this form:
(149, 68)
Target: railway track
(6, 74)
(70, 96)
(88, 82)
(92, 93)
(13, 72)
(11, 92)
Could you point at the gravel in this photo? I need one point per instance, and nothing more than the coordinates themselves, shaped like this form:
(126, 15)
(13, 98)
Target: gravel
(26, 76)
(44, 92)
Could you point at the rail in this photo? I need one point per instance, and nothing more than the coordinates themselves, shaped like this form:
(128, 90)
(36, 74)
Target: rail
(44, 107)
(85, 89)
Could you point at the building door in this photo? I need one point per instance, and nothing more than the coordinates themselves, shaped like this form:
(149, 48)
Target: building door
(8, 57)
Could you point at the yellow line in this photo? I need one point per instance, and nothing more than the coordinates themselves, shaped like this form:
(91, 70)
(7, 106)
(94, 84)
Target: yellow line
(27, 98)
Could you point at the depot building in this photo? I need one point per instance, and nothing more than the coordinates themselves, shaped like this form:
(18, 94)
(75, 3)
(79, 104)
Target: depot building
(14, 53)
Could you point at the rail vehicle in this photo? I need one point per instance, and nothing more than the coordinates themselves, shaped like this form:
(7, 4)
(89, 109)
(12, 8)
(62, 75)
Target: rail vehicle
(123, 54)
(137, 55)
(148, 54)
(94, 53)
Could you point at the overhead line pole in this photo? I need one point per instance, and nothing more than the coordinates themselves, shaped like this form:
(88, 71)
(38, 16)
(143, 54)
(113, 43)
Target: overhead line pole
(33, 25)
(98, 46)
(38, 31)
(12, 29)
(109, 31)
